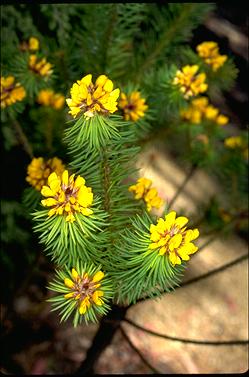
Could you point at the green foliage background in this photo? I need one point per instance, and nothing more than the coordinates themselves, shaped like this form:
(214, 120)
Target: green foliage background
(139, 46)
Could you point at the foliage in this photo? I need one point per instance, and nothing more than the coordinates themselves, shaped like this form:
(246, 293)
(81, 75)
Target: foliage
(141, 47)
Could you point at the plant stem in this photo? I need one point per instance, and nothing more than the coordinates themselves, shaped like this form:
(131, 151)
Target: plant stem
(186, 340)
(49, 134)
(106, 183)
(107, 329)
(181, 187)
(23, 138)
(218, 231)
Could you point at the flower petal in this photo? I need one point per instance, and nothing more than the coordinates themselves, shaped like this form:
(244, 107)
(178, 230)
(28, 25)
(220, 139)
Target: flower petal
(181, 221)
(175, 241)
(69, 283)
(170, 219)
(98, 276)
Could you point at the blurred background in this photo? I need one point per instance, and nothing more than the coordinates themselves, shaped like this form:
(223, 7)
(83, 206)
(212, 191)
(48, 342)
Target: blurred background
(34, 342)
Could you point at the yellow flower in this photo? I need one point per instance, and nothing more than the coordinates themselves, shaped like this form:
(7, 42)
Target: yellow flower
(40, 67)
(85, 290)
(209, 51)
(222, 120)
(152, 199)
(33, 44)
(217, 62)
(58, 101)
(234, 142)
(48, 97)
(133, 106)
(140, 187)
(89, 98)
(170, 237)
(143, 191)
(211, 112)
(200, 109)
(11, 92)
(189, 82)
(44, 97)
(237, 142)
(39, 170)
(194, 113)
(67, 195)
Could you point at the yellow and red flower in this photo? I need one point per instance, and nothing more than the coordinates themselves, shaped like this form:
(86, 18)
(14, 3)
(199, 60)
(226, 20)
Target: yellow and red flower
(170, 237)
(209, 51)
(142, 190)
(85, 289)
(48, 97)
(237, 142)
(67, 196)
(11, 92)
(88, 98)
(39, 169)
(200, 109)
(133, 106)
(190, 83)
(31, 45)
(40, 66)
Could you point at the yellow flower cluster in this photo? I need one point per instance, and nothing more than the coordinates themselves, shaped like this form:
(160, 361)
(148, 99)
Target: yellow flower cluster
(236, 142)
(209, 51)
(11, 92)
(48, 97)
(89, 98)
(67, 195)
(142, 190)
(31, 45)
(40, 67)
(200, 109)
(39, 170)
(85, 290)
(133, 106)
(189, 82)
(170, 237)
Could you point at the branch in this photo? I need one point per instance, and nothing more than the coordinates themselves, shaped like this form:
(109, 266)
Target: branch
(103, 337)
(192, 341)
(106, 183)
(214, 271)
(208, 242)
(201, 277)
(23, 138)
(218, 231)
(138, 352)
(181, 187)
